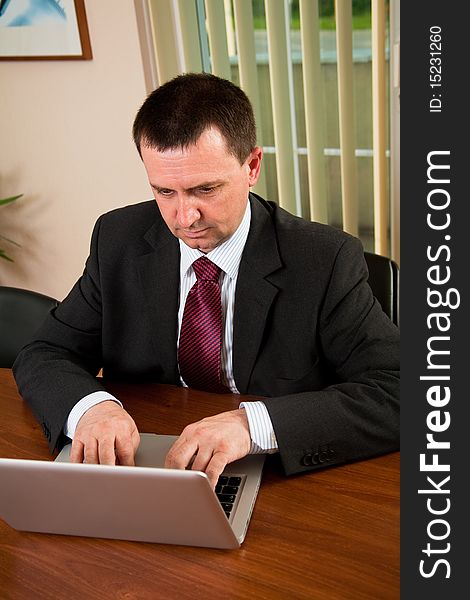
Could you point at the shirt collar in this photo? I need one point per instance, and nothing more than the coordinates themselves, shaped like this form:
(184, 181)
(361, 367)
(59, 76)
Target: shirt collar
(227, 256)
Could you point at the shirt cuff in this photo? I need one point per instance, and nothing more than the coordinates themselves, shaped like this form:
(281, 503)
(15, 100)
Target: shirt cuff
(82, 406)
(263, 438)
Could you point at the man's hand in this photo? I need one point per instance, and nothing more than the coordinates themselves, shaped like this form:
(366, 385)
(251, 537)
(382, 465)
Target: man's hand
(212, 442)
(105, 434)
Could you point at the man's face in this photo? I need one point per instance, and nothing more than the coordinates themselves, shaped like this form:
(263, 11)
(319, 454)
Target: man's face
(202, 190)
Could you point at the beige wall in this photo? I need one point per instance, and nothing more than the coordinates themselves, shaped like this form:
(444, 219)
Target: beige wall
(65, 130)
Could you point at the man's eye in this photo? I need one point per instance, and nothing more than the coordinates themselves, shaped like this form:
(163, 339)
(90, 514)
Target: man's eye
(206, 190)
(164, 192)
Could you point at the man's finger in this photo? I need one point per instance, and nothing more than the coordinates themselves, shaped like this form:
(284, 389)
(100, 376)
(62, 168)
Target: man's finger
(201, 460)
(125, 451)
(90, 452)
(180, 454)
(77, 451)
(106, 453)
(216, 467)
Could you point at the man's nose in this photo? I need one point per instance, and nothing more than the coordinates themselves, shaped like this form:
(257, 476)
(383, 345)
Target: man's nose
(187, 213)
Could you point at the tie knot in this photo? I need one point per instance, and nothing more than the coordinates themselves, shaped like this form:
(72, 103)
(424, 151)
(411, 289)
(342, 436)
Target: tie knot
(206, 269)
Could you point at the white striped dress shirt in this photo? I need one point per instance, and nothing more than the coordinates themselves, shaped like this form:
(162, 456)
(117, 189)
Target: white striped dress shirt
(227, 257)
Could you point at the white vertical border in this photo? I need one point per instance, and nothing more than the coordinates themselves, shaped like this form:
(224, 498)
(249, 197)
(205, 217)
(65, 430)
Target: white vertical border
(147, 45)
(282, 96)
(379, 105)
(343, 11)
(314, 109)
(395, 129)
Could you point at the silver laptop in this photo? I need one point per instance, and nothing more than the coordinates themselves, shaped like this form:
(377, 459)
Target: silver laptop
(146, 503)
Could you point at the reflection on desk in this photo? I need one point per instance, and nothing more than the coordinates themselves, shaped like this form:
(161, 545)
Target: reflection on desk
(326, 535)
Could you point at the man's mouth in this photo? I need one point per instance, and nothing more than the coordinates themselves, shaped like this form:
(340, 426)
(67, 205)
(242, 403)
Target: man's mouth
(194, 233)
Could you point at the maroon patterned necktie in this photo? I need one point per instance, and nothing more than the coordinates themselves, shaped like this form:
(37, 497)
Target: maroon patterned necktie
(201, 330)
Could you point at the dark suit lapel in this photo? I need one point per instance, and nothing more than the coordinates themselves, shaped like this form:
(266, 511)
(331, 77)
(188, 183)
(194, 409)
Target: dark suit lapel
(159, 277)
(254, 294)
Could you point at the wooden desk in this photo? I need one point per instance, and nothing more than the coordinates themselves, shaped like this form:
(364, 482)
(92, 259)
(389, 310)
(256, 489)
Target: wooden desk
(328, 535)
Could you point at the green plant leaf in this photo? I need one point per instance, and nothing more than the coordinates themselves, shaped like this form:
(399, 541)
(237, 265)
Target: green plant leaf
(2, 237)
(4, 201)
(5, 256)
(8, 200)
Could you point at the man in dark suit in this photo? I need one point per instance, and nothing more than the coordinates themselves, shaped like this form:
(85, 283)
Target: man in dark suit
(298, 323)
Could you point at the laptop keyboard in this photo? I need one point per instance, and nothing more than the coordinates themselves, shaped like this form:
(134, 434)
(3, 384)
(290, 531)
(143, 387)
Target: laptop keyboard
(227, 490)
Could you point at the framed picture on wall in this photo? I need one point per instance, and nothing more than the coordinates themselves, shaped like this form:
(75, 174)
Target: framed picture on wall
(44, 30)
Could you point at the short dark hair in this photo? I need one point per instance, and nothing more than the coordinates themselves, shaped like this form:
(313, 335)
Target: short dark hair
(178, 112)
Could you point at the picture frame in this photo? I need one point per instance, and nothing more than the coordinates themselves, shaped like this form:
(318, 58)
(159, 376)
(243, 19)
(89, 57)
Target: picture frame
(44, 30)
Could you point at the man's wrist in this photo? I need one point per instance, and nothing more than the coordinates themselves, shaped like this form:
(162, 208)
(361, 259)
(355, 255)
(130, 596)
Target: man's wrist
(81, 408)
(263, 438)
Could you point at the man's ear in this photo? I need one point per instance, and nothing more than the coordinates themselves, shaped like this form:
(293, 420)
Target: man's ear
(254, 165)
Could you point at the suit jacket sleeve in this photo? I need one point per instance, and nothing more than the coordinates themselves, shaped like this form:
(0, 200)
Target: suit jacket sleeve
(59, 368)
(357, 416)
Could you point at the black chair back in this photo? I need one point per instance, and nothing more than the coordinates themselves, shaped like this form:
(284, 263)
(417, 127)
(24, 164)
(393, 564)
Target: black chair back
(21, 314)
(384, 282)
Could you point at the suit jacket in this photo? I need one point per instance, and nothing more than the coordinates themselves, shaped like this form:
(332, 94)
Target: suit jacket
(308, 334)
